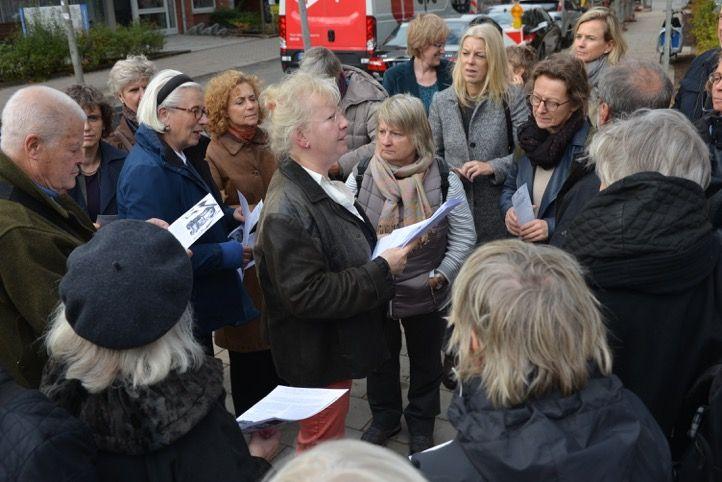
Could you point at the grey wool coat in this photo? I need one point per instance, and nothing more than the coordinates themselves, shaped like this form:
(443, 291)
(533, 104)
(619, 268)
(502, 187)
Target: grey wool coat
(359, 106)
(487, 141)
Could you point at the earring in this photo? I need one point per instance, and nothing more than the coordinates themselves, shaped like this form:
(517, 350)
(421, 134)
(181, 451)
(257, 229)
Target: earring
(166, 128)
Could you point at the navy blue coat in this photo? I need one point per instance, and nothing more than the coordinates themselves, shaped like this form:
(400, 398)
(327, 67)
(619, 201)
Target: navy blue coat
(401, 79)
(111, 163)
(155, 183)
(523, 172)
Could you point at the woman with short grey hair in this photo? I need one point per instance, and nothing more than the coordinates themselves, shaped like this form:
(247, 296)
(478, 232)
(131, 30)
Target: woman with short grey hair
(538, 400)
(654, 259)
(127, 81)
(124, 361)
(405, 183)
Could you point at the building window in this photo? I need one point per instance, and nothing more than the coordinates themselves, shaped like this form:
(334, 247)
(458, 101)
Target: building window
(204, 6)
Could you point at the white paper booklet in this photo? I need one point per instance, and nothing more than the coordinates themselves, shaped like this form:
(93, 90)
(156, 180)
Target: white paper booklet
(287, 404)
(522, 205)
(196, 221)
(400, 237)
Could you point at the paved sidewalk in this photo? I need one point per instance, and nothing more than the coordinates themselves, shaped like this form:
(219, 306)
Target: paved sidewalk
(208, 55)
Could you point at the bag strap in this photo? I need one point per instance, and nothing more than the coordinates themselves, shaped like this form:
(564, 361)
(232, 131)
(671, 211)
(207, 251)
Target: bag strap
(444, 173)
(509, 128)
(360, 171)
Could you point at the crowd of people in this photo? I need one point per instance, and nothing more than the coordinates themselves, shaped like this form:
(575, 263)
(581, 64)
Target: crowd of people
(573, 340)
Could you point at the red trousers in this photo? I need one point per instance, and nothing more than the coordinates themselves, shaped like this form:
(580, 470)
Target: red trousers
(328, 424)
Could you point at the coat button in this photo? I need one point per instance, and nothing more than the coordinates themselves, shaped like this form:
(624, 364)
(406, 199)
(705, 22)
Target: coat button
(472, 144)
(256, 172)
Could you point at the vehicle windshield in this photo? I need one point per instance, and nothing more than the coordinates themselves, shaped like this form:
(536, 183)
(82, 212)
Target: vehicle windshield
(456, 31)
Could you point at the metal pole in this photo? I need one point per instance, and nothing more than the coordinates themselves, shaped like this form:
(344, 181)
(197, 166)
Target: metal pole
(109, 13)
(667, 36)
(72, 45)
(306, 33)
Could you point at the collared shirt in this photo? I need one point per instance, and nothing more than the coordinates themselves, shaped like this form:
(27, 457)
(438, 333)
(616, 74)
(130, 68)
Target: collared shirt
(48, 191)
(336, 190)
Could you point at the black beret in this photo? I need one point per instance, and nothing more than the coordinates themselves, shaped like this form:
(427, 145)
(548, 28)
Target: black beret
(127, 286)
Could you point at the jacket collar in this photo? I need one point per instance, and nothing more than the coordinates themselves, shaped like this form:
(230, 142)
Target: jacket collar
(233, 145)
(150, 140)
(647, 232)
(114, 414)
(315, 194)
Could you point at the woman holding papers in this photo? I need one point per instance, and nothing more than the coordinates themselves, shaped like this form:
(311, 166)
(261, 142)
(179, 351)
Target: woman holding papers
(538, 399)
(241, 161)
(474, 124)
(553, 140)
(405, 183)
(164, 176)
(124, 361)
(324, 294)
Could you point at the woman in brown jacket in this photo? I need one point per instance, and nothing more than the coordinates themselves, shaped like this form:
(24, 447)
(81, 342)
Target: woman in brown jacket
(240, 160)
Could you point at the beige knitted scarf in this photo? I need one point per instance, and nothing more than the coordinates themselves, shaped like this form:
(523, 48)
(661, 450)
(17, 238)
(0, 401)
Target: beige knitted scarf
(402, 189)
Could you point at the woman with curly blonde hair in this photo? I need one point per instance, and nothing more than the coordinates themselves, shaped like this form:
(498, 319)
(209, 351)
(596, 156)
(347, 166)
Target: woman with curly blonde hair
(241, 161)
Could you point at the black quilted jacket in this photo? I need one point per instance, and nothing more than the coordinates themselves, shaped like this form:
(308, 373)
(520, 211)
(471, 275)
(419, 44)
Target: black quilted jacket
(653, 261)
(40, 441)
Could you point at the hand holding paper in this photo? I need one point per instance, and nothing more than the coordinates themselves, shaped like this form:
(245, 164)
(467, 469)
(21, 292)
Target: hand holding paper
(400, 237)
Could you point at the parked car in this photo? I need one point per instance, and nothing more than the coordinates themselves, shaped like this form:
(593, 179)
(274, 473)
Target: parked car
(393, 51)
(538, 29)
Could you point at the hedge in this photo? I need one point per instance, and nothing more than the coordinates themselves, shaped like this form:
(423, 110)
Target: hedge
(44, 52)
(704, 24)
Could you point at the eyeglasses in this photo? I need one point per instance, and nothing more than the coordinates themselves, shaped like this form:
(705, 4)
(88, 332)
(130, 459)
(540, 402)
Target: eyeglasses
(198, 112)
(714, 78)
(92, 118)
(551, 105)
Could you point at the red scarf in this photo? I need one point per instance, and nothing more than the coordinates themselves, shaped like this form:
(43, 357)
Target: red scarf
(244, 133)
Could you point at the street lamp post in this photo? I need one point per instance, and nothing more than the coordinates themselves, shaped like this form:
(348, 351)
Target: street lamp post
(72, 45)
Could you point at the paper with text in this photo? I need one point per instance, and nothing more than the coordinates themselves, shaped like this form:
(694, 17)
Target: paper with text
(522, 205)
(197, 220)
(287, 404)
(400, 237)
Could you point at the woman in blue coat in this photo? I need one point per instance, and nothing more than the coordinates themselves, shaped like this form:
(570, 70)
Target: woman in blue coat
(165, 175)
(553, 140)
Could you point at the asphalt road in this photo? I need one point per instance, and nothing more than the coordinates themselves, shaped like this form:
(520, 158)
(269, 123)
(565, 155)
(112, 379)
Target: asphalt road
(268, 71)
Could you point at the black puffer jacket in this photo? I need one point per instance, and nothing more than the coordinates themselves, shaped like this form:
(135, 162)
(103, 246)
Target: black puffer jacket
(601, 433)
(175, 430)
(653, 261)
(39, 441)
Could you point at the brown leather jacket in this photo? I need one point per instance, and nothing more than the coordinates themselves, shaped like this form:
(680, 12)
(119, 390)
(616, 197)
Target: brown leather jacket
(246, 167)
(122, 137)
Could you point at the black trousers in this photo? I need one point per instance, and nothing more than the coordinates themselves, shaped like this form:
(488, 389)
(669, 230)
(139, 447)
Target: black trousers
(424, 335)
(253, 376)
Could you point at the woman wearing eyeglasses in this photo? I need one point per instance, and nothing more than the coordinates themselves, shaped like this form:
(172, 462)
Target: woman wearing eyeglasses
(95, 184)
(552, 139)
(474, 121)
(165, 174)
(710, 127)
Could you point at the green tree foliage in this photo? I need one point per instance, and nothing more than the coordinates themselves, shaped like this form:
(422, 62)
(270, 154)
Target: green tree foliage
(704, 24)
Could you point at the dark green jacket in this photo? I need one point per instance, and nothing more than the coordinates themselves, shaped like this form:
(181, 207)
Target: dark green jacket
(34, 250)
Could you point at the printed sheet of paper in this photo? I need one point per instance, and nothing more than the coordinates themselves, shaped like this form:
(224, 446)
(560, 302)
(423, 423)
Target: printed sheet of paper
(287, 404)
(522, 205)
(400, 237)
(243, 233)
(197, 220)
